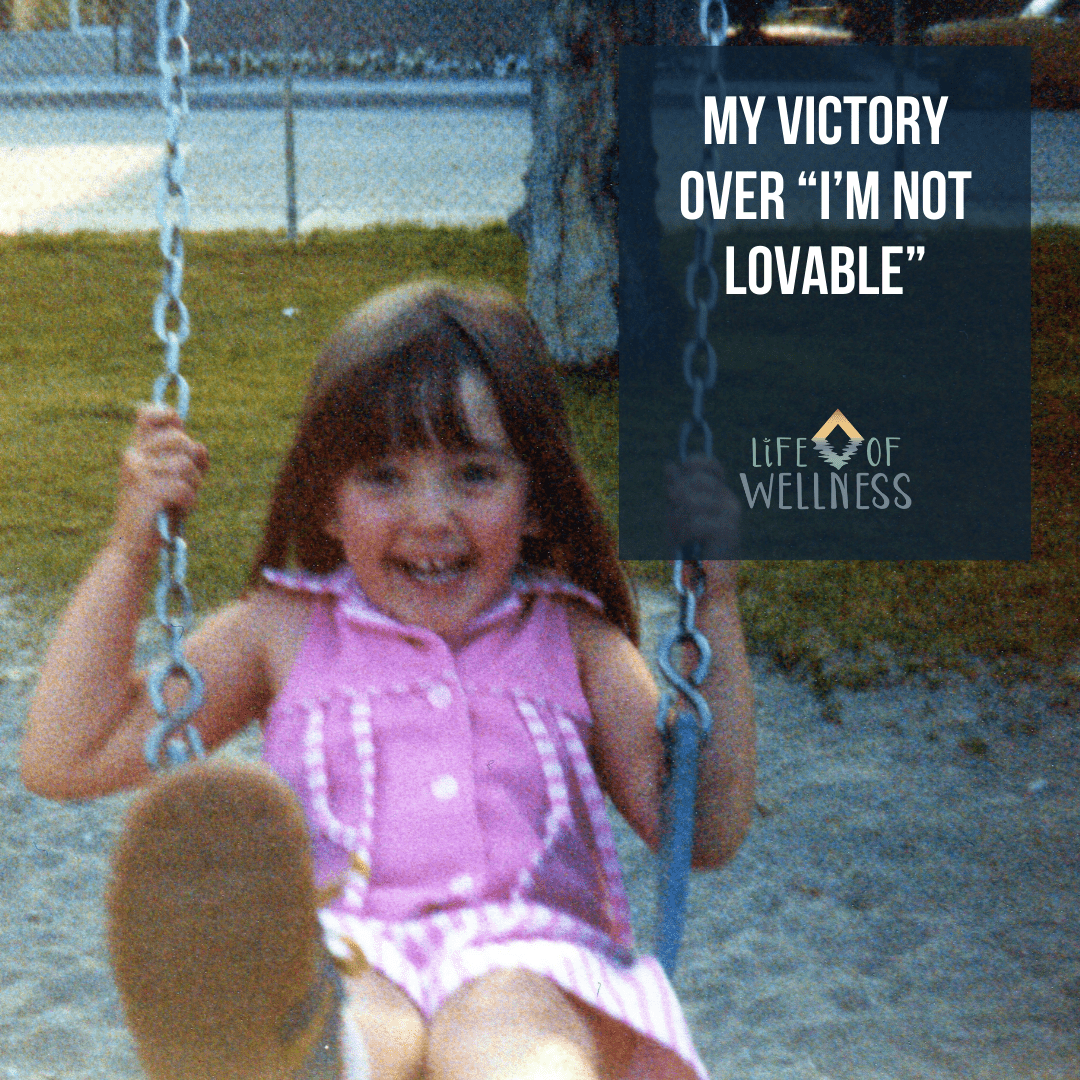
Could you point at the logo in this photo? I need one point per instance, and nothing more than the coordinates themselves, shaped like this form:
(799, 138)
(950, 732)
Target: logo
(878, 486)
(821, 440)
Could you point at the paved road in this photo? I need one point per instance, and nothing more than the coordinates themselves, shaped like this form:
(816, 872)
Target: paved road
(63, 169)
(95, 168)
(1055, 167)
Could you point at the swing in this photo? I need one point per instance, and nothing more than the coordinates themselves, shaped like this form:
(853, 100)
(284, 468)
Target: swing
(175, 739)
(685, 734)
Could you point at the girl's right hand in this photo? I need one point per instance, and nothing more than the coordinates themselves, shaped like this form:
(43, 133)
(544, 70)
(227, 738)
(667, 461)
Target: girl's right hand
(161, 469)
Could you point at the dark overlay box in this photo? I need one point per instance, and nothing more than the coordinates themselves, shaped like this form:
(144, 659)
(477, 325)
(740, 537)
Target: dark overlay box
(866, 296)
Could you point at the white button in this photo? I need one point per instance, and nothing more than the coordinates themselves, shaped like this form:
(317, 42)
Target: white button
(444, 787)
(462, 885)
(440, 696)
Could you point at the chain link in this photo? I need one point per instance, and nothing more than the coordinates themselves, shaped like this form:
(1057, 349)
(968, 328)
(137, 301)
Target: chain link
(175, 738)
(702, 280)
(713, 21)
(685, 634)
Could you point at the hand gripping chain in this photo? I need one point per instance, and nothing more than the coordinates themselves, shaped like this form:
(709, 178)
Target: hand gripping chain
(687, 732)
(173, 735)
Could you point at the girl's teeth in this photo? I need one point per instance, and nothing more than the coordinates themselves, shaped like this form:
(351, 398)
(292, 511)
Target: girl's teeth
(431, 570)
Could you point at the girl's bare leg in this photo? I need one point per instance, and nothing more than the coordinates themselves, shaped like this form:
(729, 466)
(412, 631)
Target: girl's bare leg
(517, 1025)
(393, 1030)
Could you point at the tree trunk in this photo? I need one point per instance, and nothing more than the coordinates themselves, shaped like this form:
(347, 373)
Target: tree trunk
(570, 218)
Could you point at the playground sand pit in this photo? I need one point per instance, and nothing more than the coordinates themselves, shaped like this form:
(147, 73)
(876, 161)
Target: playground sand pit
(906, 906)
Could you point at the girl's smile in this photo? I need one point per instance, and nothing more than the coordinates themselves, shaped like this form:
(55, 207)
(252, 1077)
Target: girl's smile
(434, 534)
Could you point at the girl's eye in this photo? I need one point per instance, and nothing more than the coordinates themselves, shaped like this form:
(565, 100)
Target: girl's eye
(381, 475)
(475, 472)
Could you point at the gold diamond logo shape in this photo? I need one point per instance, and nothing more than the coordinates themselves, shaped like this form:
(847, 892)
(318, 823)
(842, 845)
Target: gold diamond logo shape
(855, 440)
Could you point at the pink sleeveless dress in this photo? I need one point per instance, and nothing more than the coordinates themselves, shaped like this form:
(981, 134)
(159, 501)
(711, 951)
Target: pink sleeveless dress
(450, 796)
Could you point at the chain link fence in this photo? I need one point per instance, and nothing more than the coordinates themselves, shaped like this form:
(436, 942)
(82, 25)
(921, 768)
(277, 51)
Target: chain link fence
(78, 78)
(64, 37)
(237, 38)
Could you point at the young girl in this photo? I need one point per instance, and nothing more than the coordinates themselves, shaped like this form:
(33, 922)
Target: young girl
(439, 644)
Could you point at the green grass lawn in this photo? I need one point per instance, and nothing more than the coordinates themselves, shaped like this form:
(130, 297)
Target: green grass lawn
(78, 352)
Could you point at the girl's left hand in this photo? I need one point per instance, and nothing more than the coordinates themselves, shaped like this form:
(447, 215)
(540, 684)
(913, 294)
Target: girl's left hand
(703, 512)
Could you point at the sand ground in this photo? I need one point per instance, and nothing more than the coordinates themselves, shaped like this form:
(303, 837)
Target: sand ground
(905, 908)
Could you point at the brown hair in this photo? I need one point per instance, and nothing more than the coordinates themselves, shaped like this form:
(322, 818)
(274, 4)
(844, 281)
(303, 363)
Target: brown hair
(388, 378)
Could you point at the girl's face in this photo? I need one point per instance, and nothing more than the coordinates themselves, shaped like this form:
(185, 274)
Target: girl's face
(433, 535)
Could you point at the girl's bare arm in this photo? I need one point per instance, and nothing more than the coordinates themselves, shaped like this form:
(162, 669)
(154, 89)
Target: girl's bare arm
(627, 746)
(91, 714)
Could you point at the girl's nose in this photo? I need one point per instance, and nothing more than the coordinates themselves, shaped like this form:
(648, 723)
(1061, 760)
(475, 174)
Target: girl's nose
(430, 506)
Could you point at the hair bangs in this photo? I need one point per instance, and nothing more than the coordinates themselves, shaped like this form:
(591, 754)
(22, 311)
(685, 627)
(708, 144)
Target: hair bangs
(405, 402)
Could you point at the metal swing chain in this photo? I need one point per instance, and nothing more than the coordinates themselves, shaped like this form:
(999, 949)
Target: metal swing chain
(702, 300)
(173, 736)
(687, 731)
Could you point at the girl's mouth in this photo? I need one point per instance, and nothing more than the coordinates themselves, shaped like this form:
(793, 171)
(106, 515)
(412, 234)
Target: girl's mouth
(433, 571)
